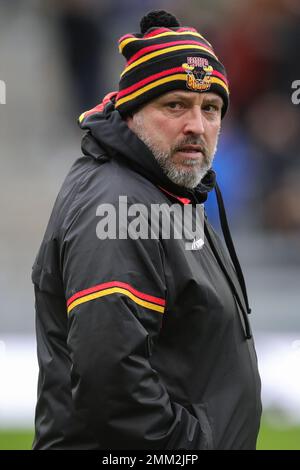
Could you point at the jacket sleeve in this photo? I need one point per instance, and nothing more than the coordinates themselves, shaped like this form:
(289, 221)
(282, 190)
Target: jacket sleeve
(116, 299)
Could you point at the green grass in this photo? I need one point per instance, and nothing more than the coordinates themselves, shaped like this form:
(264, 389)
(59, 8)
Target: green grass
(278, 438)
(15, 439)
(270, 437)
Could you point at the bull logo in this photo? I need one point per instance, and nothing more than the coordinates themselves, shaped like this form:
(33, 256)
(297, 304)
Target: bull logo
(198, 78)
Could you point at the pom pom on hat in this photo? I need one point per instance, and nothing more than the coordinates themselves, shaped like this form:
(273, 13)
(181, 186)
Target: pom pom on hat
(157, 18)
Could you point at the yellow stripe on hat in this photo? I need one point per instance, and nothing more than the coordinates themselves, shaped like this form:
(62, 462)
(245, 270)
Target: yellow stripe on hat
(116, 290)
(171, 33)
(219, 82)
(179, 76)
(165, 51)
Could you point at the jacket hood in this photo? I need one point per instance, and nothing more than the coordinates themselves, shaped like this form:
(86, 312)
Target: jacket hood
(108, 133)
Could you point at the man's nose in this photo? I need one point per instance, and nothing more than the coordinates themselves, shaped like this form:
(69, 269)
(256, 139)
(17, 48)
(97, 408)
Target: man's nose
(194, 123)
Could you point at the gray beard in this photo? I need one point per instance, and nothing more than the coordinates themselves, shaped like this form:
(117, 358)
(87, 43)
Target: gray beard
(187, 178)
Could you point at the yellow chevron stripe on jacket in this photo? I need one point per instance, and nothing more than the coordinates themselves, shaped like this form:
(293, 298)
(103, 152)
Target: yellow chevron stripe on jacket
(115, 290)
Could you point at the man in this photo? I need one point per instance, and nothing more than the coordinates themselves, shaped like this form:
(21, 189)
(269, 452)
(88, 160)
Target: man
(144, 341)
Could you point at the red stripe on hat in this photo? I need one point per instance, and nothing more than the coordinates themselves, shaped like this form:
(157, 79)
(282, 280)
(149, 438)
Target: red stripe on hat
(106, 285)
(157, 31)
(181, 30)
(125, 37)
(221, 76)
(149, 79)
(161, 46)
(164, 30)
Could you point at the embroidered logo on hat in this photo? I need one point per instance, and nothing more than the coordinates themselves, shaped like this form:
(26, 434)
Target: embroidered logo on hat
(198, 72)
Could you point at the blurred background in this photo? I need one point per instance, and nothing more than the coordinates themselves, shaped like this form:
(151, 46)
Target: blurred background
(57, 59)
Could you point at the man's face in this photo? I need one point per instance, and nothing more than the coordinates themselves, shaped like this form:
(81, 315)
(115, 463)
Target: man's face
(181, 129)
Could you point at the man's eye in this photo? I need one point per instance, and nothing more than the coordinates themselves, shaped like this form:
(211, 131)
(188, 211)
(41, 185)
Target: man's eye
(212, 108)
(175, 105)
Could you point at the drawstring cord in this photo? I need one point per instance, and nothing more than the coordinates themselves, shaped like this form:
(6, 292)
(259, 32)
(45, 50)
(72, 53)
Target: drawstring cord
(234, 258)
(233, 288)
(230, 245)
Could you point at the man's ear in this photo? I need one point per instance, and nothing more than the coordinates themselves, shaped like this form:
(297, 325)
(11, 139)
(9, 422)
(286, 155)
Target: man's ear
(129, 120)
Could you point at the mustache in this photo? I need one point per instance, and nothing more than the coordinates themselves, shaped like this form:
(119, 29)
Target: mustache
(191, 140)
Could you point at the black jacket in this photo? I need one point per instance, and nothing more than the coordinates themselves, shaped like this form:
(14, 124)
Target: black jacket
(141, 343)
